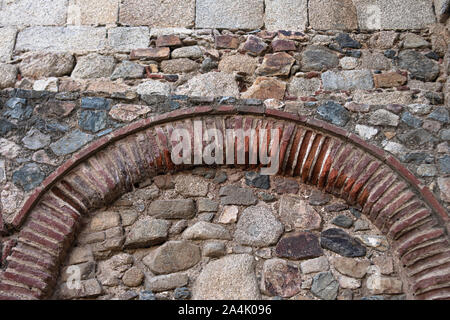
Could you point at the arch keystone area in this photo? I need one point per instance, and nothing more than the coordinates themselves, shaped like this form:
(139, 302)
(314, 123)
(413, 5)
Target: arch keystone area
(315, 152)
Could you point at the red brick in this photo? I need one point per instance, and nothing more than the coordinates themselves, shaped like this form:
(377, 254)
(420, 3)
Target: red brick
(405, 224)
(389, 199)
(28, 281)
(385, 224)
(411, 241)
(425, 251)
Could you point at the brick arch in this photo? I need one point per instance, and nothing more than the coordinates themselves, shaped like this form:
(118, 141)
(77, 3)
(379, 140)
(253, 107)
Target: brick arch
(316, 152)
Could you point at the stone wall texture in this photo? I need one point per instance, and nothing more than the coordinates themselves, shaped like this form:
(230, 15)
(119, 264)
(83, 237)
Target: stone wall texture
(359, 90)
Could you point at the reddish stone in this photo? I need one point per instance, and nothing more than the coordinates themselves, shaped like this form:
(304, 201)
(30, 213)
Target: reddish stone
(283, 45)
(266, 88)
(303, 245)
(277, 64)
(157, 54)
(227, 42)
(254, 45)
(389, 80)
(164, 182)
(281, 278)
(168, 41)
(264, 34)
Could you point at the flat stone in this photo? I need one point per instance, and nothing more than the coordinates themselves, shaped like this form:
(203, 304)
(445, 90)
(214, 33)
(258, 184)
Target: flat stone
(85, 12)
(60, 39)
(315, 265)
(348, 283)
(389, 80)
(286, 15)
(440, 114)
(296, 213)
(182, 293)
(153, 87)
(191, 186)
(416, 137)
(231, 195)
(345, 41)
(420, 67)
(172, 257)
(8, 75)
(280, 278)
(33, 12)
(318, 58)
(394, 15)
(444, 187)
(366, 132)
(214, 249)
(254, 46)
(11, 198)
(361, 225)
(378, 284)
(284, 185)
(229, 278)
(226, 42)
(105, 220)
(128, 70)
(133, 277)
(88, 289)
(283, 45)
(147, 295)
(414, 41)
(384, 264)
(93, 120)
(94, 66)
(277, 64)
(302, 245)
(255, 179)
(226, 15)
(342, 221)
(28, 177)
(238, 63)
(347, 80)
(382, 98)
(192, 52)
(35, 140)
(204, 231)
(147, 232)
(182, 65)
(207, 205)
(7, 43)
(351, 267)
(333, 112)
(266, 88)
(339, 241)
(50, 85)
(325, 286)
(128, 112)
(166, 282)
(172, 209)
(431, 125)
(332, 15)
(373, 60)
(444, 164)
(258, 227)
(172, 13)
(212, 84)
(383, 117)
(47, 64)
(301, 87)
(156, 54)
(411, 121)
(125, 39)
(348, 63)
(229, 215)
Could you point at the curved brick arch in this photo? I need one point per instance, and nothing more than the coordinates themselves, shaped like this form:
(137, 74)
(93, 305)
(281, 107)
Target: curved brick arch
(316, 152)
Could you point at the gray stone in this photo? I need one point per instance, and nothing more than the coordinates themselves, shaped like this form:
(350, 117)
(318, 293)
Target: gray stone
(411, 121)
(126, 39)
(166, 282)
(182, 293)
(315, 265)
(444, 164)
(361, 225)
(229, 278)
(76, 38)
(193, 52)
(375, 61)
(318, 58)
(214, 249)
(238, 196)
(383, 117)
(182, 65)
(153, 87)
(238, 63)
(351, 267)
(7, 42)
(378, 284)
(342, 221)
(163, 13)
(147, 232)
(191, 186)
(325, 286)
(172, 209)
(172, 257)
(419, 109)
(33, 12)
(35, 140)
(416, 137)
(128, 70)
(420, 67)
(8, 75)
(394, 14)
(249, 14)
(93, 120)
(440, 114)
(286, 15)
(47, 64)
(212, 84)
(334, 113)
(366, 132)
(345, 41)
(133, 277)
(146, 295)
(414, 41)
(347, 80)
(258, 227)
(300, 87)
(295, 213)
(339, 241)
(204, 231)
(94, 66)
(277, 64)
(255, 179)
(28, 177)
(207, 205)
(71, 142)
(445, 134)
(94, 103)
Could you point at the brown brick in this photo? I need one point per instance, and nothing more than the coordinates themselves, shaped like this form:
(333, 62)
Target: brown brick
(168, 41)
(156, 54)
(227, 42)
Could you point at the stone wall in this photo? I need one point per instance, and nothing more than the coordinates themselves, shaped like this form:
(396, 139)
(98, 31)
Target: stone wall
(76, 72)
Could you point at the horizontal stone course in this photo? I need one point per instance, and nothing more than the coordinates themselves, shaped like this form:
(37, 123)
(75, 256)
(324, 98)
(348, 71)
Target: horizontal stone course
(33, 12)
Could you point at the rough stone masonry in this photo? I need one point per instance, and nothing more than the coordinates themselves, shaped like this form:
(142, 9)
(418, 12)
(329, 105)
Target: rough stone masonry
(74, 72)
